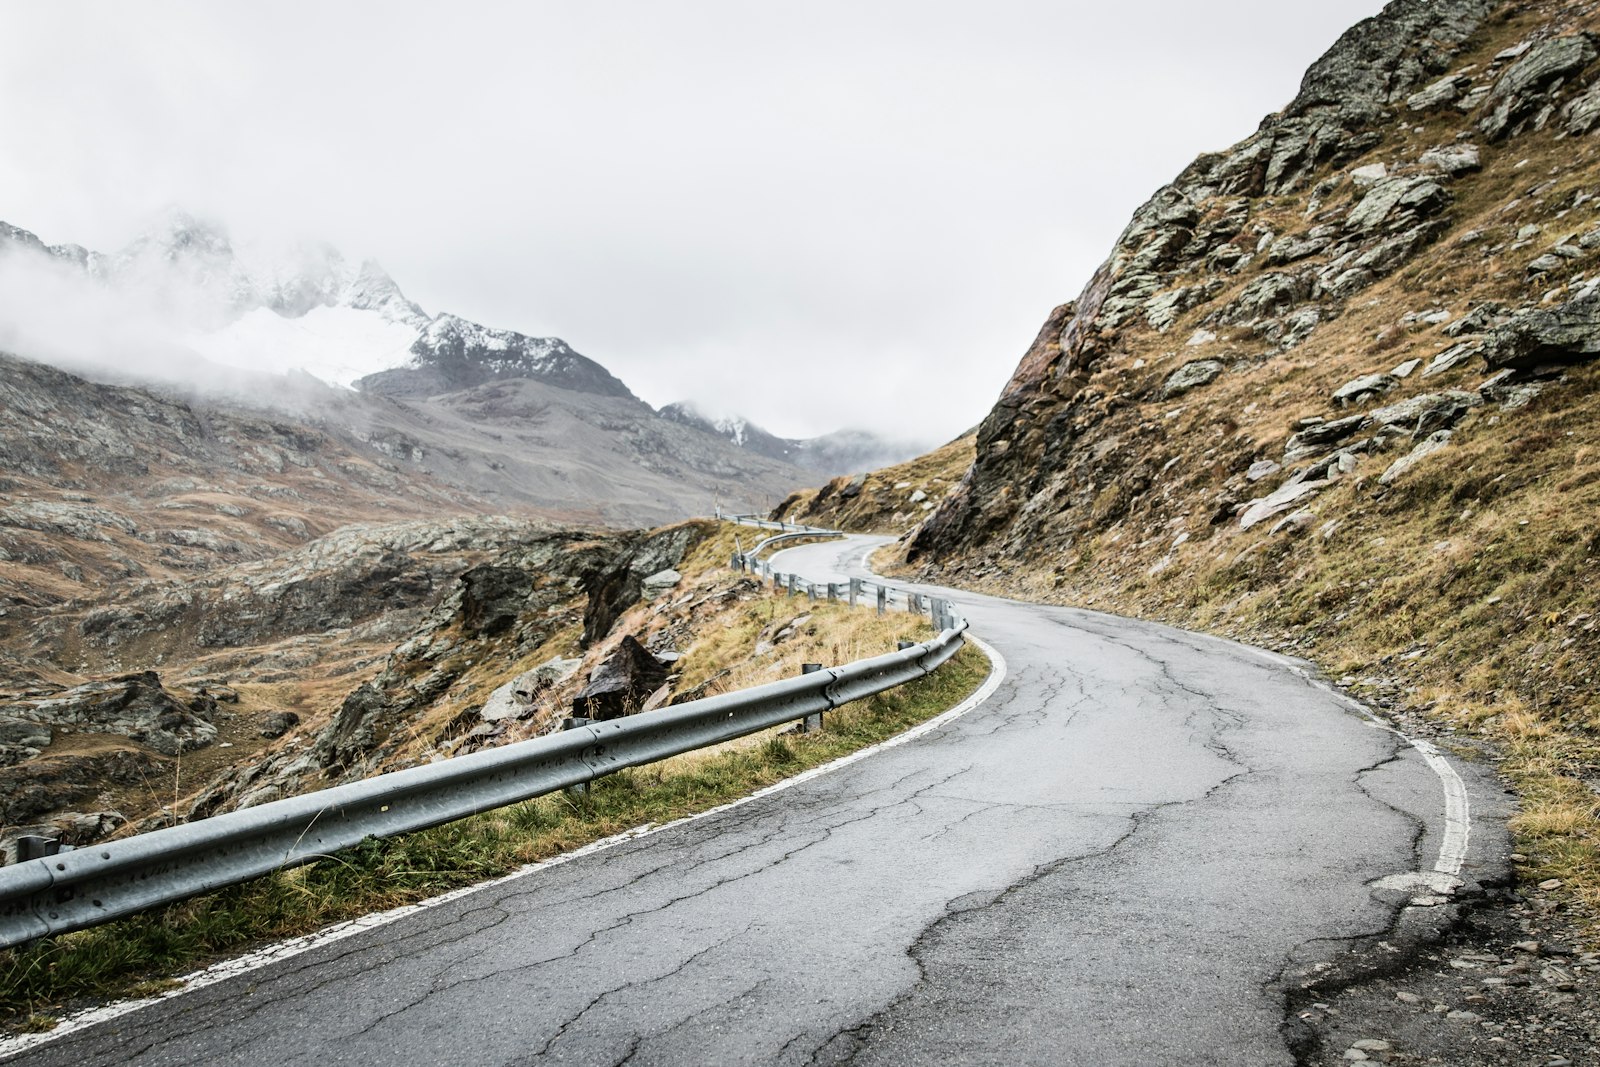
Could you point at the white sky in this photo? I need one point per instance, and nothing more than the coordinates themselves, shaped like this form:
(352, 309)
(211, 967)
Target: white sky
(815, 214)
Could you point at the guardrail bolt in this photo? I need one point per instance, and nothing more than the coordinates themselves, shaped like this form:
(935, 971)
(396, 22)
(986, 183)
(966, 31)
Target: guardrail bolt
(811, 723)
(582, 788)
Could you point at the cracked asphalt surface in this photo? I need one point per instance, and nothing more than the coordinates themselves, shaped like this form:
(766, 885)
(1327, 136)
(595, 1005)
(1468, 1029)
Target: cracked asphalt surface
(1124, 856)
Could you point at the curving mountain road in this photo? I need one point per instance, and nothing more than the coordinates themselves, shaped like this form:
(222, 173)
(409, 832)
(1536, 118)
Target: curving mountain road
(1123, 856)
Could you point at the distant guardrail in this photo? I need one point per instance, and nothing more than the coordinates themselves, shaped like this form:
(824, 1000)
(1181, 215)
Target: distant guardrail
(86, 886)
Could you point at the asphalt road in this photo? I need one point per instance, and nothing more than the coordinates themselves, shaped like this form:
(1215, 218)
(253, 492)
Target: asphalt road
(1121, 857)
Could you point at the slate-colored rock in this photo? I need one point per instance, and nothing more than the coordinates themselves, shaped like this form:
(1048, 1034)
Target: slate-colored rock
(1453, 159)
(1427, 412)
(1396, 203)
(279, 723)
(1191, 375)
(135, 706)
(1525, 85)
(1568, 333)
(659, 583)
(1425, 448)
(1314, 439)
(493, 597)
(1364, 388)
(621, 684)
(1582, 113)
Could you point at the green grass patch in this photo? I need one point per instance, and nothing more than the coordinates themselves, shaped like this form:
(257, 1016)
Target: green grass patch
(140, 954)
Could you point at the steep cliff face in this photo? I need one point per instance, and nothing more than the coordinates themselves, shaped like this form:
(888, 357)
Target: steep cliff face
(1334, 391)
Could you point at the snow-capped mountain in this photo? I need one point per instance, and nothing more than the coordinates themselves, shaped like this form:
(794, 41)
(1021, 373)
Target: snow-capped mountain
(308, 309)
(840, 452)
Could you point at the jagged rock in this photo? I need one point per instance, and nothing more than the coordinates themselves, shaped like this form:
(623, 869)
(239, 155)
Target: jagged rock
(1569, 333)
(1481, 318)
(621, 684)
(1581, 114)
(1427, 412)
(279, 723)
(1454, 159)
(135, 706)
(1369, 175)
(1267, 295)
(1425, 448)
(1405, 368)
(1446, 90)
(1295, 522)
(1526, 84)
(1510, 388)
(659, 583)
(21, 739)
(1292, 247)
(1191, 375)
(359, 725)
(1451, 357)
(616, 588)
(1396, 203)
(1163, 310)
(516, 699)
(1279, 500)
(1376, 62)
(493, 597)
(1313, 439)
(1364, 388)
(1261, 468)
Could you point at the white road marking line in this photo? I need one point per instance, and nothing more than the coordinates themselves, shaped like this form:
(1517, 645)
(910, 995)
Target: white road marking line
(283, 950)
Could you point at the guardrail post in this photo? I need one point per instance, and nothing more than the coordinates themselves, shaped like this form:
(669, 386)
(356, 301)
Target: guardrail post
(855, 590)
(811, 723)
(34, 847)
(883, 600)
(794, 584)
(811, 592)
(903, 645)
(572, 723)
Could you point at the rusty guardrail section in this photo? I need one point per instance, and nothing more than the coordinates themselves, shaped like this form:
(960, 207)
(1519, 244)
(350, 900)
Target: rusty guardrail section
(90, 885)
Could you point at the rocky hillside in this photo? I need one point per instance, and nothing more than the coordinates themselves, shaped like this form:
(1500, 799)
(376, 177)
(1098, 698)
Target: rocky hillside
(1334, 391)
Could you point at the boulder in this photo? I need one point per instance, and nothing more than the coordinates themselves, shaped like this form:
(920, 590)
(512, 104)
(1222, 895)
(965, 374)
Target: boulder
(1451, 357)
(1364, 388)
(1313, 439)
(1371, 174)
(621, 684)
(279, 723)
(515, 699)
(1279, 500)
(1191, 375)
(1568, 333)
(659, 583)
(1427, 412)
(135, 706)
(1582, 113)
(1453, 159)
(1446, 90)
(1425, 448)
(492, 598)
(1527, 83)
(1395, 203)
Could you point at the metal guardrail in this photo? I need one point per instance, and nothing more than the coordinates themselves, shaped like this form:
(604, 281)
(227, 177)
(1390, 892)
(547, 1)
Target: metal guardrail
(86, 886)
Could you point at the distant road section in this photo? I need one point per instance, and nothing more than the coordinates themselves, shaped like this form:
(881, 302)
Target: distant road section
(1116, 859)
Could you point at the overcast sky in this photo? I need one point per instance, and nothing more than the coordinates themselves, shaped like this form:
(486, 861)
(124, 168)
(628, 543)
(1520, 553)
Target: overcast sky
(815, 214)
